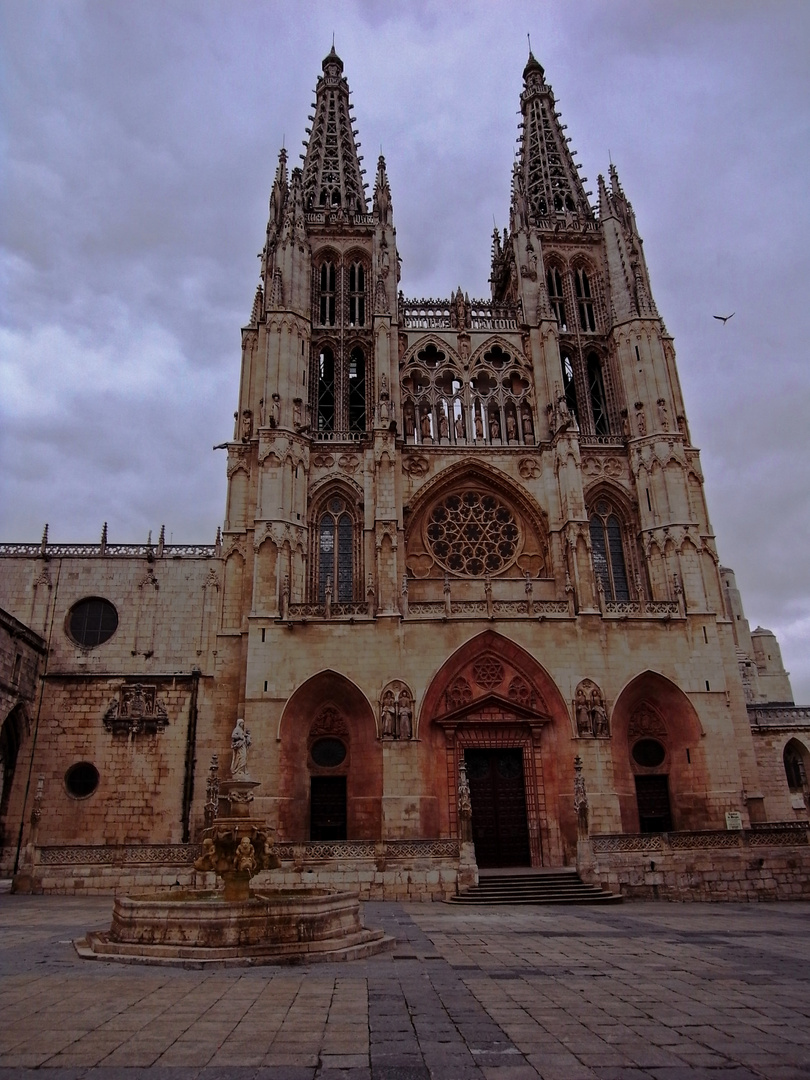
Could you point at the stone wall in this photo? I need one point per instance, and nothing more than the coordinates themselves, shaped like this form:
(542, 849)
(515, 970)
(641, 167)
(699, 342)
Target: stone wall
(755, 864)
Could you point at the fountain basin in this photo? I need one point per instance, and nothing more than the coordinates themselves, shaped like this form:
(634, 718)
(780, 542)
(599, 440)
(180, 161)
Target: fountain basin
(195, 928)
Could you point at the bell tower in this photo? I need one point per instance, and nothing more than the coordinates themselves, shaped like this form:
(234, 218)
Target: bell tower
(312, 513)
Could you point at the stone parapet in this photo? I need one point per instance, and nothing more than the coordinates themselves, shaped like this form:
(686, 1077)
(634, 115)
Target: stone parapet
(771, 862)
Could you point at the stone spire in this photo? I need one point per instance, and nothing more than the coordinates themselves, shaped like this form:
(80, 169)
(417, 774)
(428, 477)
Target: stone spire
(382, 194)
(546, 185)
(631, 294)
(332, 176)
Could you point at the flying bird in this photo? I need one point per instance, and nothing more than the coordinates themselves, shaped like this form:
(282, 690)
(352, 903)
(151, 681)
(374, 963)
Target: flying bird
(724, 318)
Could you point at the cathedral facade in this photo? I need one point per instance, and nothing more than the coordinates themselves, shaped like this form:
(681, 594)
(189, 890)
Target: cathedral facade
(460, 536)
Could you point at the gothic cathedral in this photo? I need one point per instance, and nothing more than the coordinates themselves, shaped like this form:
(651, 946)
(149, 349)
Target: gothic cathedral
(466, 562)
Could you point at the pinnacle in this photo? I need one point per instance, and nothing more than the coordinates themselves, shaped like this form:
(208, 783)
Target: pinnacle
(533, 64)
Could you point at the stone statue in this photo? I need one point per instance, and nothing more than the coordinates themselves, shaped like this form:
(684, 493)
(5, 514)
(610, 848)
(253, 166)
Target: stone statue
(240, 741)
(479, 428)
(297, 413)
(405, 715)
(206, 861)
(528, 433)
(247, 425)
(425, 426)
(385, 410)
(459, 426)
(444, 430)
(663, 416)
(598, 715)
(583, 713)
(410, 426)
(275, 411)
(494, 428)
(245, 858)
(511, 428)
(389, 716)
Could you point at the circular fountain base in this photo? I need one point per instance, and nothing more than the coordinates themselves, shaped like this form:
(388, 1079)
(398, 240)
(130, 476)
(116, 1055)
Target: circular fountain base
(196, 929)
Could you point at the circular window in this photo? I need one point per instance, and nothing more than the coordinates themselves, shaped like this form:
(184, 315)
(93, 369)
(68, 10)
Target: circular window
(92, 622)
(472, 534)
(328, 753)
(648, 753)
(81, 779)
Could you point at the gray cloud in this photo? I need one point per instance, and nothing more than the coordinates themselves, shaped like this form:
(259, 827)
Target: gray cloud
(140, 144)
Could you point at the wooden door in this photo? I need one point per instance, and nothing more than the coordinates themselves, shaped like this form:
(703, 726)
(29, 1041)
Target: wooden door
(327, 808)
(498, 795)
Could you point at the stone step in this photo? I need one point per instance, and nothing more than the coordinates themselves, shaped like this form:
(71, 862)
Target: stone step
(549, 887)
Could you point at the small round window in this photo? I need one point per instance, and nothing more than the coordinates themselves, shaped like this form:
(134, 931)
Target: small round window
(92, 622)
(649, 753)
(328, 753)
(81, 779)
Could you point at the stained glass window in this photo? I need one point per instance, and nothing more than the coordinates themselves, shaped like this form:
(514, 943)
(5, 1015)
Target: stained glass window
(608, 554)
(336, 552)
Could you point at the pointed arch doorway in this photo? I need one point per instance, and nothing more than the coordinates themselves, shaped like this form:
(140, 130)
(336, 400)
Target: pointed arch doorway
(493, 707)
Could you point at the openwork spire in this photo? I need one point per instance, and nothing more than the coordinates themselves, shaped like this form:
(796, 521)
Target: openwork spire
(546, 184)
(332, 177)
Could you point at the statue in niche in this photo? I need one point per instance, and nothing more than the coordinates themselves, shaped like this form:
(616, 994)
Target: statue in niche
(494, 428)
(511, 428)
(247, 425)
(641, 419)
(625, 425)
(459, 427)
(410, 425)
(240, 741)
(405, 710)
(583, 713)
(563, 412)
(425, 426)
(383, 385)
(385, 410)
(599, 718)
(444, 430)
(275, 411)
(479, 427)
(663, 416)
(297, 422)
(389, 716)
(528, 432)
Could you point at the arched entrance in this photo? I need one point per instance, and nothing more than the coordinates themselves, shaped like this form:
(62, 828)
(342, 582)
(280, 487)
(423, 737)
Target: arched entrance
(330, 785)
(493, 706)
(11, 736)
(659, 762)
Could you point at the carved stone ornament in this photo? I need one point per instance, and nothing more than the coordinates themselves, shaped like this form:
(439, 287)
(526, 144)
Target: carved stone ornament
(646, 720)
(529, 468)
(396, 712)
(137, 710)
(415, 466)
(349, 463)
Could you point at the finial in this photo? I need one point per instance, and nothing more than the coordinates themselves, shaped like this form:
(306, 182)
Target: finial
(529, 37)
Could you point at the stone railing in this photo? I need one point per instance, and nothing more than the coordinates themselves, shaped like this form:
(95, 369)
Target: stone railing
(436, 315)
(331, 216)
(775, 833)
(119, 855)
(643, 608)
(778, 716)
(318, 611)
(514, 609)
(340, 436)
(601, 440)
(83, 551)
(319, 850)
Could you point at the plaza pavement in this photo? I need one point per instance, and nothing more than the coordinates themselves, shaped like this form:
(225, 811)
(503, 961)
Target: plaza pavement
(672, 992)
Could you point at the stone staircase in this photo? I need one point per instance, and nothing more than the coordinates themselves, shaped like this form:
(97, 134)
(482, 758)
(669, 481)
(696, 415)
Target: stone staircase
(534, 887)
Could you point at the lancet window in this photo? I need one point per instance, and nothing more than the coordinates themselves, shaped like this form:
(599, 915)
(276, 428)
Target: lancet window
(607, 545)
(596, 388)
(327, 295)
(491, 403)
(357, 295)
(335, 551)
(341, 352)
(555, 295)
(582, 285)
(569, 383)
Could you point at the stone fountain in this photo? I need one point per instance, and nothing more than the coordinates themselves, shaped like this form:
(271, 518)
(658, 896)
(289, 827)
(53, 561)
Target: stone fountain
(236, 925)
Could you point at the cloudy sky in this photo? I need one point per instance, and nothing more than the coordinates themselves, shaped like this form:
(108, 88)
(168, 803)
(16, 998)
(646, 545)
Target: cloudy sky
(140, 141)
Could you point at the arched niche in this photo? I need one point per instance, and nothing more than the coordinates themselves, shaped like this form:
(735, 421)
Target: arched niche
(329, 702)
(491, 694)
(651, 707)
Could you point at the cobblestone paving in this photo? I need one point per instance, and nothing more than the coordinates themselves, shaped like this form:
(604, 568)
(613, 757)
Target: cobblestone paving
(671, 992)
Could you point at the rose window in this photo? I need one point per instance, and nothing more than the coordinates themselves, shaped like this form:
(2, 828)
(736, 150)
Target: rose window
(488, 673)
(472, 534)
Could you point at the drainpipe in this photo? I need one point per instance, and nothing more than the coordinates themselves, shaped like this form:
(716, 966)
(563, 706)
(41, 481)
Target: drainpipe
(191, 754)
